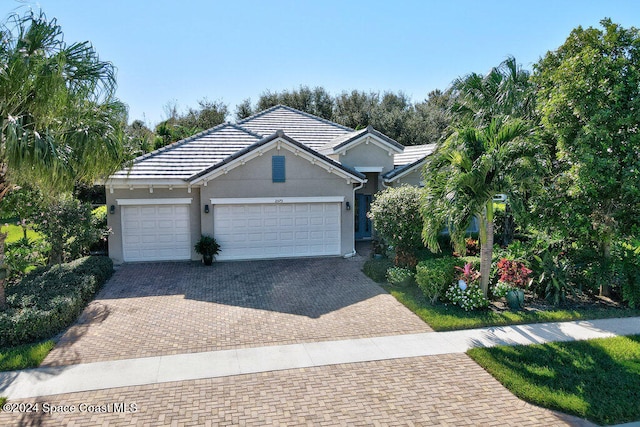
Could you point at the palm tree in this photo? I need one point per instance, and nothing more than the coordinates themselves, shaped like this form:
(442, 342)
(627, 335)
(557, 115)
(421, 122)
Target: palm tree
(505, 91)
(463, 176)
(59, 120)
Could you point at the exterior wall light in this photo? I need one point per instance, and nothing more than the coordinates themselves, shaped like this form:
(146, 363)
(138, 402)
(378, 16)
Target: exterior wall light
(206, 208)
(112, 209)
(348, 206)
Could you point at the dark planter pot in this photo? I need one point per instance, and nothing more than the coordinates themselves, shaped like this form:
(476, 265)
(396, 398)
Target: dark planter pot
(207, 259)
(515, 299)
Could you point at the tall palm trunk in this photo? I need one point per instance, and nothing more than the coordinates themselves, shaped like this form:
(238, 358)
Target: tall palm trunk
(486, 247)
(4, 189)
(3, 273)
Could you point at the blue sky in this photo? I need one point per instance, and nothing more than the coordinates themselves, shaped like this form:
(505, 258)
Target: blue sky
(187, 50)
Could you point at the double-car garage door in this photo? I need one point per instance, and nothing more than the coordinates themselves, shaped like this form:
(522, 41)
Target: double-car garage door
(157, 232)
(276, 230)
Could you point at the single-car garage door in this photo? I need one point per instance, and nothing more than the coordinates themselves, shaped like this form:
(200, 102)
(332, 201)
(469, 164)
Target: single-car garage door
(156, 232)
(276, 230)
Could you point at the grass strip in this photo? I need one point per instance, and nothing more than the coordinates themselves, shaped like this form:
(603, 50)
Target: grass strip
(24, 356)
(597, 379)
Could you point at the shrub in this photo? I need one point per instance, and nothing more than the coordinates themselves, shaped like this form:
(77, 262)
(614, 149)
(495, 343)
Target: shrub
(469, 298)
(24, 254)
(68, 227)
(376, 269)
(512, 275)
(553, 277)
(396, 217)
(435, 275)
(466, 292)
(400, 276)
(627, 266)
(47, 300)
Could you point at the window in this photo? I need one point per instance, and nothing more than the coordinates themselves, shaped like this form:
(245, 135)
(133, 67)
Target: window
(277, 168)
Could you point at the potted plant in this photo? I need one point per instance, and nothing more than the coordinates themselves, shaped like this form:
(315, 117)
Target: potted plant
(514, 277)
(208, 248)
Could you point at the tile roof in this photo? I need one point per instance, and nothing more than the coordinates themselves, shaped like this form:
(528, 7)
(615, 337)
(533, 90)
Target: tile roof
(263, 141)
(412, 154)
(306, 128)
(335, 144)
(186, 157)
(417, 154)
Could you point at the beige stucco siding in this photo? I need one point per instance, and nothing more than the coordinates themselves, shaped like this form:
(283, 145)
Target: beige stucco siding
(303, 179)
(114, 220)
(414, 178)
(368, 155)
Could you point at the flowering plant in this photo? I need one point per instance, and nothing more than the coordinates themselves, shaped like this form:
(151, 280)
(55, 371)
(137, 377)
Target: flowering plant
(466, 292)
(468, 274)
(513, 275)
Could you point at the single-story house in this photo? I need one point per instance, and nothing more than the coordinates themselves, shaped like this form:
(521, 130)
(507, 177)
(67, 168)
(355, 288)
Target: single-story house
(281, 183)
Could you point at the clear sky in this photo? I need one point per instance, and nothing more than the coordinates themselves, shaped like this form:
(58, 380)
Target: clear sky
(186, 50)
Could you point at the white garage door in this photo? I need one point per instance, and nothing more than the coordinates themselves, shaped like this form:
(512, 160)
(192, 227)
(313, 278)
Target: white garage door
(255, 231)
(156, 233)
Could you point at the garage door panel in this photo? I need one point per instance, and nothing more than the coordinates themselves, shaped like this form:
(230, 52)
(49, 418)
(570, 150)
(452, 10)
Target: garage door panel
(277, 230)
(156, 233)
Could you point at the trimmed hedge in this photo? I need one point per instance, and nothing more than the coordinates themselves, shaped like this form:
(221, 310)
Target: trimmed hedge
(49, 299)
(400, 276)
(376, 269)
(435, 275)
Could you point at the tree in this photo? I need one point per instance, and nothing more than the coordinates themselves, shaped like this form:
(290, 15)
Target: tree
(505, 91)
(432, 119)
(139, 139)
(463, 176)
(316, 101)
(589, 99)
(59, 120)
(179, 126)
(244, 110)
(355, 109)
(396, 217)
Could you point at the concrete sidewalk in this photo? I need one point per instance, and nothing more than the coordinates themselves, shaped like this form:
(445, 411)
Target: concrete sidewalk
(191, 366)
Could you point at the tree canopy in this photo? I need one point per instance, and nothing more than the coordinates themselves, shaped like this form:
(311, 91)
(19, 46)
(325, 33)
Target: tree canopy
(59, 121)
(589, 101)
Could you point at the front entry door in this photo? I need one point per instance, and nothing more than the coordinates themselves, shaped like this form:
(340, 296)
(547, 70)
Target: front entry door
(363, 224)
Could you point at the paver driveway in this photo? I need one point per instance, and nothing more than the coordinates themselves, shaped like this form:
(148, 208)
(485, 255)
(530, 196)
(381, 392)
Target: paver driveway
(169, 308)
(154, 309)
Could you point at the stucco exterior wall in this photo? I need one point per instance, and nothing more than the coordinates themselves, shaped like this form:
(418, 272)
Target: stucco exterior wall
(368, 155)
(414, 178)
(114, 220)
(303, 179)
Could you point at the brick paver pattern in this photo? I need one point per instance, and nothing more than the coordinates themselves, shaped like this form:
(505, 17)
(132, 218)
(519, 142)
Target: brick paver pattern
(445, 390)
(152, 309)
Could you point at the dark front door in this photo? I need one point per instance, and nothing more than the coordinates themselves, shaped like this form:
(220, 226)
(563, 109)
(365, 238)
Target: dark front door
(363, 224)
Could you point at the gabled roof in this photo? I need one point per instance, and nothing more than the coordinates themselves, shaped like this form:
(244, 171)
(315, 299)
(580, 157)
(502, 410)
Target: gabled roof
(413, 153)
(303, 127)
(279, 134)
(186, 157)
(418, 152)
(343, 141)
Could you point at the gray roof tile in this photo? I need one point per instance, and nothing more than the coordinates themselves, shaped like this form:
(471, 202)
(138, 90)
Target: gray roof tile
(306, 128)
(412, 153)
(184, 158)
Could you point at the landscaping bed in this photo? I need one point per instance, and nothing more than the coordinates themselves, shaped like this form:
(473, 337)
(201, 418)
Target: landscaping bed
(49, 299)
(443, 317)
(597, 379)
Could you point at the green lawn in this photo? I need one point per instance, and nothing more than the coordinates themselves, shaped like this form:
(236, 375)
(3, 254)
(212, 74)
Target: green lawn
(598, 379)
(15, 233)
(448, 317)
(24, 356)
